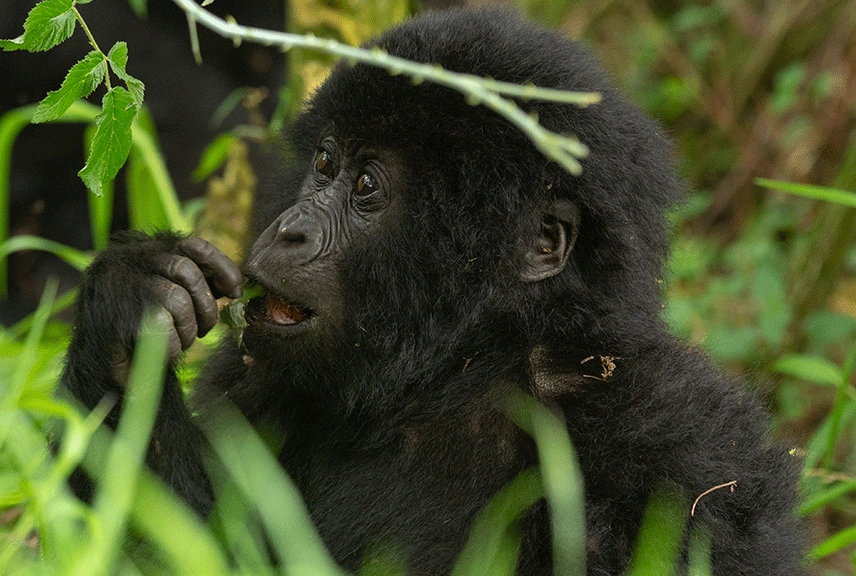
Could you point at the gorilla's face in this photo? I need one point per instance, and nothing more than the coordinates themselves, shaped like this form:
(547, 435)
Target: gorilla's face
(349, 192)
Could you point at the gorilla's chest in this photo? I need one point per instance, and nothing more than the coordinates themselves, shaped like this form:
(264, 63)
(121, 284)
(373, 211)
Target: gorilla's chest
(420, 498)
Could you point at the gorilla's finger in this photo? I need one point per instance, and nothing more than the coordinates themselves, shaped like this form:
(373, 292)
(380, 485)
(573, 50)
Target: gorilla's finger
(178, 303)
(186, 273)
(173, 345)
(120, 366)
(223, 275)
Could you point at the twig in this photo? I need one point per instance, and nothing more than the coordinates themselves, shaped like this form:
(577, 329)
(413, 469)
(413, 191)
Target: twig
(733, 483)
(565, 150)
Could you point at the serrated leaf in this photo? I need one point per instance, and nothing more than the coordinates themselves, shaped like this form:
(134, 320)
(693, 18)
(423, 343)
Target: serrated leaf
(118, 55)
(112, 141)
(81, 80)
(13, 44)
(809, 368)
(118, 58)
(48, 23)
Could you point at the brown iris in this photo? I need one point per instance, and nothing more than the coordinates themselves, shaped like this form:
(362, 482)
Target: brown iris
(366, 185)
(324, 164)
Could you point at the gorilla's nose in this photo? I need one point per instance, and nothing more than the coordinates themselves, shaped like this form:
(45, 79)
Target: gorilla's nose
(292, 226)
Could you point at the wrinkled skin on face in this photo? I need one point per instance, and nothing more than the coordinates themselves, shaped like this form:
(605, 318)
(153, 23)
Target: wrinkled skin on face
(346, 196)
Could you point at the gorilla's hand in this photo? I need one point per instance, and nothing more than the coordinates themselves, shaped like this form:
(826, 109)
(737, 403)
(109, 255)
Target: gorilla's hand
(184, 284)
(177, 277)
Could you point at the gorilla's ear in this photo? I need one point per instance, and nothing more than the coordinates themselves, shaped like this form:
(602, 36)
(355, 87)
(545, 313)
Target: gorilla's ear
(547, 253)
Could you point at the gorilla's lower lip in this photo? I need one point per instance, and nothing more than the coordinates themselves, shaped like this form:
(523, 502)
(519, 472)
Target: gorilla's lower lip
(281, 312)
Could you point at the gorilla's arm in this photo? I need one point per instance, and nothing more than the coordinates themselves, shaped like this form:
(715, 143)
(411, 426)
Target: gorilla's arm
(677, 423)
(175, 277)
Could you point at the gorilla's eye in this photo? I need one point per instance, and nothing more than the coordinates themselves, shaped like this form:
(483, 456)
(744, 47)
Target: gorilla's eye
(324, 164)
(366, 185)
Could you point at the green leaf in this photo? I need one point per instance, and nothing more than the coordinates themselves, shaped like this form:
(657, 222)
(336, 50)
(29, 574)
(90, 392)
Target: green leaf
(138, 6)
(13, 44)
(118, 58)
(214, 156)
(48, 24)
(809, 368)
(81, 80)
(112, 141)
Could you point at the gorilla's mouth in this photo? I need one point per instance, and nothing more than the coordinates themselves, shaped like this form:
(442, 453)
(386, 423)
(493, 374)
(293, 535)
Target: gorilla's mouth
(283, 313)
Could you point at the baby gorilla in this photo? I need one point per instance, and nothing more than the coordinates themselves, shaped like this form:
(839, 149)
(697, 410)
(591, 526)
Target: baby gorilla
(419, 259)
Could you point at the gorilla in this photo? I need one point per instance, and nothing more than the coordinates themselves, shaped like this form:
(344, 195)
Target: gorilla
(418, 260)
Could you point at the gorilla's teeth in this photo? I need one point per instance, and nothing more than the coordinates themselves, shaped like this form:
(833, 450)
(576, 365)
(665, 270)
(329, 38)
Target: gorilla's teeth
(281, 312)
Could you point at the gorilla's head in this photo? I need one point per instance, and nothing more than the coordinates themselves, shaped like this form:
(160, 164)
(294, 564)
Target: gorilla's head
(419, 234)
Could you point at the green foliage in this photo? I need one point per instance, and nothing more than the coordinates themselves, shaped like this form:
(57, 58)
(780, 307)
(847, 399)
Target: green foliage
(734, 299)
(821, 448)
(658, 547)
(116, 493)
(135, 519)
(50, 23)
(843, 197)
(112, 141)
(494, 543)
(214, 156)
(83, 78)
(118, 59)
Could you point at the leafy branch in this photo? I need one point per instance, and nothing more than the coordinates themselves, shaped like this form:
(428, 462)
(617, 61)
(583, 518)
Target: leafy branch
(50, 23)
(566, 150)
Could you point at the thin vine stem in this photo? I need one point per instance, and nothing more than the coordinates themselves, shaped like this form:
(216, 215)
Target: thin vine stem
(94, 44)
(566, 150)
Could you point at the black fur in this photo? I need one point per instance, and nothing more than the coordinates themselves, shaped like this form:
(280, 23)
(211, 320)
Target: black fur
(389, 420)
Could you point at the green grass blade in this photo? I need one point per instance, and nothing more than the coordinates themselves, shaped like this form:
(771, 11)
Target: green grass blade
(150, 188)
(658, 545)
(834, 543)
(28, 356)
(62, 302)
(166, 521)
(562, 479)
(101, 215)
(841, 401)
(240, 528)
(820, 499)
(699, 553)
(833, 195)
(264, 483)
(78, 259)
(817, 445)
(11, 124)
(494, 536)
(116, 494)
(809, 368)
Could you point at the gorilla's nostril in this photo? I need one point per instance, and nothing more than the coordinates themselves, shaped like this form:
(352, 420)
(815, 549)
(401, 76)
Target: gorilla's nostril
(290, 234)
